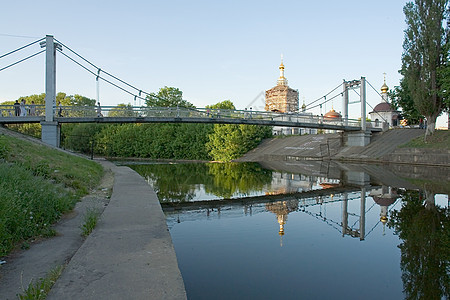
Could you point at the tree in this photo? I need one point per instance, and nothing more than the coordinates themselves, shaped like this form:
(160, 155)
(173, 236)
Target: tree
(122, 110)
(167, 97)
(78, 100)
(423, 56)
(228, 142)
(401, 97)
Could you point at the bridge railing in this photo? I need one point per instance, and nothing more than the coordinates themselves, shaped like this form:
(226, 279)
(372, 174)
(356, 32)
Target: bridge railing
(175, 112)
(27, 110)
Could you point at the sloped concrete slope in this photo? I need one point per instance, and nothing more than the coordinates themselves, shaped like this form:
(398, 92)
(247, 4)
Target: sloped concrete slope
(311, 146)
(381, 144)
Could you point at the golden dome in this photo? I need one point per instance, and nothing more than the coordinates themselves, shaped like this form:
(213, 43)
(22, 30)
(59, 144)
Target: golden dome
(383, 219)
(384, 88)
(281, 66)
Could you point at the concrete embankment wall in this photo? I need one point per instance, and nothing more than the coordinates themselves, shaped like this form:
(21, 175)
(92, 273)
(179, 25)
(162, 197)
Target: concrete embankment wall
(384, 148)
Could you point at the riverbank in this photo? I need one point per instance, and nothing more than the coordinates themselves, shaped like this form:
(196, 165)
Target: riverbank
(129, 255)
(384, 148)
(140, 245)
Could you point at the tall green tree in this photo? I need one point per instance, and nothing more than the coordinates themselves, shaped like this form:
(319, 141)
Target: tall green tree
(424, 46)
(167, 97)
(228, 142)
(401, 97)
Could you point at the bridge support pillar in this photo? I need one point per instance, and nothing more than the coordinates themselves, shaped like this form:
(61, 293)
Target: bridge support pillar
(51, 133)
(357, 178)
(360, 138)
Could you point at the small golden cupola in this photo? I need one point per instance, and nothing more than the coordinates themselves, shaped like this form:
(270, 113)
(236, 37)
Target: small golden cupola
(384, 87)
(282, 80)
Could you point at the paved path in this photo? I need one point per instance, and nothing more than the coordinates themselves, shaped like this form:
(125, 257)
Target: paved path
(130, 253)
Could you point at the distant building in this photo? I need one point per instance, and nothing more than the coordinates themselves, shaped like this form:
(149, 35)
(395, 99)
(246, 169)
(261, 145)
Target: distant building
(285, 100)
(282, 98)
(384, 112)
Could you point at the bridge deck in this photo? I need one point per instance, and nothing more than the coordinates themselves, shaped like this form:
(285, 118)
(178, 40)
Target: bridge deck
(71, 114)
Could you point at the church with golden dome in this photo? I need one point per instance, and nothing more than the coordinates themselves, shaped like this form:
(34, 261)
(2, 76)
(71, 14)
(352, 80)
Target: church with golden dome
(383, 111)
(281, 98)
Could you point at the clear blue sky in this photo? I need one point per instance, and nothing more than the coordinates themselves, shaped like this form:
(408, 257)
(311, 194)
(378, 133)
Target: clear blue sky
(210, 50)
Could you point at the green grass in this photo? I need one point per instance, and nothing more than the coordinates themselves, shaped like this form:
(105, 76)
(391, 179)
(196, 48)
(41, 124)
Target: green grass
(37, 186)
(439, 140)
(90, 221)
(39, 290)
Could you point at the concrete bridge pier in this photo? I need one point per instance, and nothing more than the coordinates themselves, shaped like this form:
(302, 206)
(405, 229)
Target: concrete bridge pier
(357, 178)
(359, 138)
(51, 133)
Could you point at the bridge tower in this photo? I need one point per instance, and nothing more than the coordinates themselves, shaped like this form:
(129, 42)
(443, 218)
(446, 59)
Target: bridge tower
(51, 130)
(361, 138)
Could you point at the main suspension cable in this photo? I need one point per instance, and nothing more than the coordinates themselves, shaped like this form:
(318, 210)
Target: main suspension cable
(324, 95)
(100, 77)
(103, 71)
(4, 68)
(23, 47)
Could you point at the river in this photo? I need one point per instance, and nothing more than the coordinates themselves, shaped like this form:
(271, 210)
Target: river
(306, 229)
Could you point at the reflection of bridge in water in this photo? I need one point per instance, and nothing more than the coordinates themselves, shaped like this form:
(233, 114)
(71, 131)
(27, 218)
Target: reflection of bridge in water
(282, 205)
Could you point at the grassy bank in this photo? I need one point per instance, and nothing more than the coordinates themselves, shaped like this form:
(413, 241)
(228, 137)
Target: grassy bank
(439, 140)
(37, 185)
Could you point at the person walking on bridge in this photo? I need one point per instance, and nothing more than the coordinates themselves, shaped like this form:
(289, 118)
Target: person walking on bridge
(23, 109)
(99, 110)
(17, 108)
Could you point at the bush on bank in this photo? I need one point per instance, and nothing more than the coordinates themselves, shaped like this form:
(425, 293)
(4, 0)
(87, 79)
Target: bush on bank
(37, 186)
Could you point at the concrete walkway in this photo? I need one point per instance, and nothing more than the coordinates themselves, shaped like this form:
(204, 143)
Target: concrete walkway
(129, 255)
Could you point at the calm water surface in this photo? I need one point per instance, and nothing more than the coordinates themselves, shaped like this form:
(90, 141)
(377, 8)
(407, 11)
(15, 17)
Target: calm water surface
(311, 230)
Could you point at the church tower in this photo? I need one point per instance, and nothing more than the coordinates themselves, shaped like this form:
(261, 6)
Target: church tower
(281, 98)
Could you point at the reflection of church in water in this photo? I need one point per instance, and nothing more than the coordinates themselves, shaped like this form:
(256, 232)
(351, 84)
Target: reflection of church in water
(281, 209)
(383, 196)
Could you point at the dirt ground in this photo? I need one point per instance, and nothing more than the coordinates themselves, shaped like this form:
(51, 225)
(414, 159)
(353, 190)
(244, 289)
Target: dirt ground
(24, 266)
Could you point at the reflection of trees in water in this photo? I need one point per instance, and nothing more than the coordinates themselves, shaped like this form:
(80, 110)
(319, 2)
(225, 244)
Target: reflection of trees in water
(231, 178)
(176, 182)
(425, 249)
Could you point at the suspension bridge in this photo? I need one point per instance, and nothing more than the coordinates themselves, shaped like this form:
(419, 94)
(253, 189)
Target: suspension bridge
(51, 115)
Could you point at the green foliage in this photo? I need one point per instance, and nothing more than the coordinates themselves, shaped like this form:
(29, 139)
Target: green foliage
(167, 97)
(226, 104)
(122, 110)
(228, 142)
(423, 56)
(4, 147)
(157, 141)
(444, 72)
(425, 248)
(90, 220)
(439, 140)
(28, 206)
(81, 136)
(39, 290)
(401, 97)
(35, 129)
(37, 185)
(78, 100)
